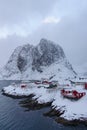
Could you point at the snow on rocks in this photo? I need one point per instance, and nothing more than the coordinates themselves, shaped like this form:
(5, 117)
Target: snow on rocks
(74, 109)
(47, 59)
(41, 94)
(66, 108)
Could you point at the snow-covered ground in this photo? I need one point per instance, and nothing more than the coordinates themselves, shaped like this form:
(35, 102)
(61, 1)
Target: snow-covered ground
(74, 109)
(57, 70)
(81, 70)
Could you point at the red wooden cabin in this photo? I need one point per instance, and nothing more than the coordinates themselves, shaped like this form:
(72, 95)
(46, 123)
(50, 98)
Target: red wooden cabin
(85, 85)
(72, 94)
(46, 82)
(23, 85)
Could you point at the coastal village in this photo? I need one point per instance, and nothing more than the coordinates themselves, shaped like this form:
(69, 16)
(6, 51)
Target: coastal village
(67, 97)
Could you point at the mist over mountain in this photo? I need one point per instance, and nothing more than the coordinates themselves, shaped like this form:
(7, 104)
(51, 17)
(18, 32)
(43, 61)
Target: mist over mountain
(47, 59)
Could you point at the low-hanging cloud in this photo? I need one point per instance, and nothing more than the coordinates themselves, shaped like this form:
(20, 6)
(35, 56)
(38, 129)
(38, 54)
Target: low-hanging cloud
(17, 11)
(51, 19)
(27, 21)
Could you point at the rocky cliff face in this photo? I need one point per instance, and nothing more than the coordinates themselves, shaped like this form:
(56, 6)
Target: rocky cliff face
(46, 59)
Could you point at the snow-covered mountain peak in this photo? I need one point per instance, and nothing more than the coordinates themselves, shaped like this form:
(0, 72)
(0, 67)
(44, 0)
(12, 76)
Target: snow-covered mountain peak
(51, 49)
(45, 42)
(28, 61)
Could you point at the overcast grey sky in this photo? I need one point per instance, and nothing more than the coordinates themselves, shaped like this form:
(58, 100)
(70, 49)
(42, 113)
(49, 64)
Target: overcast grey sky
(27, 21)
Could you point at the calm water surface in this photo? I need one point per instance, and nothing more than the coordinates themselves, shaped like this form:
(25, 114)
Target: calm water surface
(14, 117)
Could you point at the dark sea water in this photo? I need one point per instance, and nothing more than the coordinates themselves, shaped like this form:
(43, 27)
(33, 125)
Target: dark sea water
(14, 117)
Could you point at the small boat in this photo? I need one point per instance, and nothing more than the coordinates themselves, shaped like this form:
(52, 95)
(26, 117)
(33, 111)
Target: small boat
(72, 94)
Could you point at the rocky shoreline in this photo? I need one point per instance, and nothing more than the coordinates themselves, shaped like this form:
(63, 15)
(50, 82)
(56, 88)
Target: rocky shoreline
(56, 115)
(74, 122)
(16, 96)
(32, 104)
